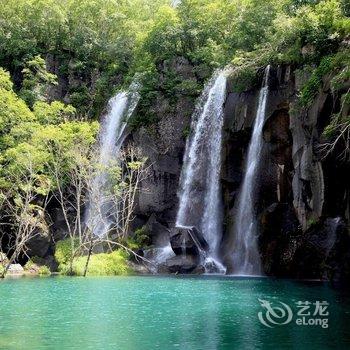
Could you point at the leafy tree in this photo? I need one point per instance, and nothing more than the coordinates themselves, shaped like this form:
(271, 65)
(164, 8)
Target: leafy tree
(13, 110)
(53, 113)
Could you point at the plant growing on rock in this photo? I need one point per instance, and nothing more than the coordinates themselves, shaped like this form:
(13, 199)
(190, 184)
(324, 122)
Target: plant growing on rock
(337, 133)
(36, 81)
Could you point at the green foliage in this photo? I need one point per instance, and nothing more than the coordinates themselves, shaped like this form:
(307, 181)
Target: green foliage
(329, 64)
(345, 5)
(301, 32)
(36, 146)
(138, 120)
(80, 98)
(31, 138)
(5, 80)
(44, 271)
(140, 239)
(63, 253)
(163, 40)
(92, 42)
(312, 222)
(330, 130)
(13, 110)
(338, 123)
(188, 87)
(186, 131)
(341, 79)
(244, 79)
(312, 87)
(111, 264)
(29, 265)
(104, 264)
(342, 69)
(53, 113)
(36, 80)
(96, 45)
(34, 265)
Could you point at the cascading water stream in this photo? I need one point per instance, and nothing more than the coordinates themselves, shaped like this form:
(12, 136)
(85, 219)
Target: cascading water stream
(246, 258)
(111, 137)
(200, 195)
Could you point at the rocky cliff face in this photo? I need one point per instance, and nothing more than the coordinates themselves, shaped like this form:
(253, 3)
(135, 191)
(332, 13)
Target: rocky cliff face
(302, 208)
(297, 225)
(164, 145)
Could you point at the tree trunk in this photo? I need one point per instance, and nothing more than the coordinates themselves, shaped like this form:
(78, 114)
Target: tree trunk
(12, 259)
(70, 273)
(88, 260)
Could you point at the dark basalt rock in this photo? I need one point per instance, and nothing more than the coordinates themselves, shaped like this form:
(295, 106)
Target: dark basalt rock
(59, 228)
(159, 234)
(280, 237)
(189, 247)
(164, 144)
(39, 244)
(188, 240)
(299, 193)
(325, 252)
(182, 264)
(182, 243)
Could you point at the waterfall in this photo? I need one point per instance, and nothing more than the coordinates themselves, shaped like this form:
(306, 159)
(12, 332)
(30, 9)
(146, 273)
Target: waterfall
(246, 258)
(111, 137)
(200, 195)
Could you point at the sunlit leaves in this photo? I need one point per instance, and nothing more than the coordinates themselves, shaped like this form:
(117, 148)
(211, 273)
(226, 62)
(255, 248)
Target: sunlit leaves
(36, 81)
(53, 113)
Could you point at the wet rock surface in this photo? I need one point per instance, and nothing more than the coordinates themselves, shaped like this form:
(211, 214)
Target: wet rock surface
(324, 252)
(300, 193)
(180, 264)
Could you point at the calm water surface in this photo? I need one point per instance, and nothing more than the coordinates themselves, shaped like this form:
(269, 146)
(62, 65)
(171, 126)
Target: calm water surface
(163, 313)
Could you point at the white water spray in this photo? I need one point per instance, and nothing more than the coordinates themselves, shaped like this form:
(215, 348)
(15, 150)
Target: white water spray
(200, 195)
(112, 135)
(246, 258)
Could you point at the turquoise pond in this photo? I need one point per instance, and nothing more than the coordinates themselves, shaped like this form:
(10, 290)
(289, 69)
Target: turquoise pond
(165, 313)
